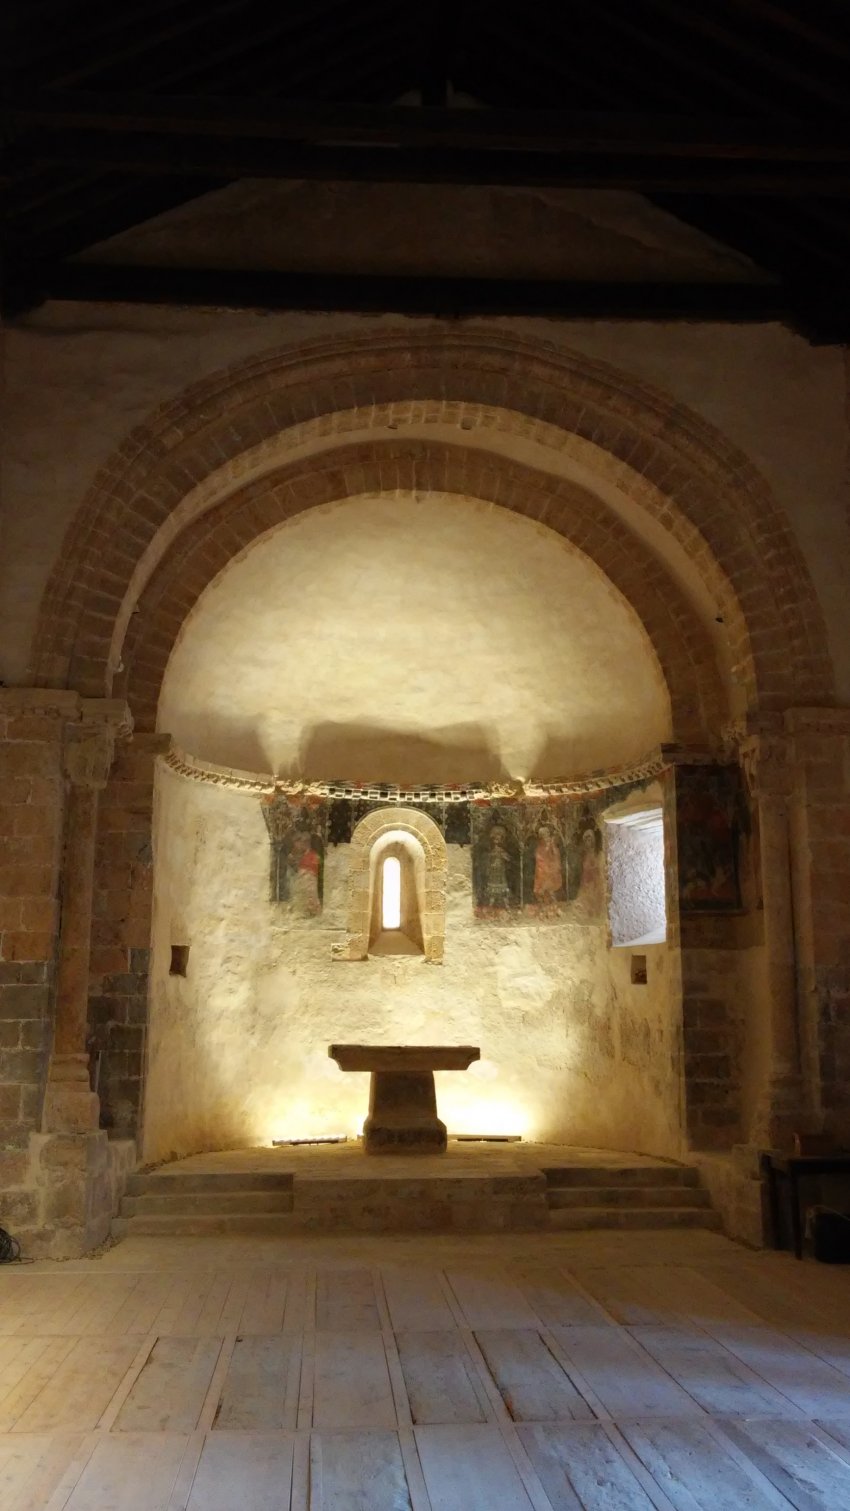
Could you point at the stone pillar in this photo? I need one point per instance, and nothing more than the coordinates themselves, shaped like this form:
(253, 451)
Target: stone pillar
(121, 932)
(69, 1105)
(780, 1106)
(819, 741)
(708, 963)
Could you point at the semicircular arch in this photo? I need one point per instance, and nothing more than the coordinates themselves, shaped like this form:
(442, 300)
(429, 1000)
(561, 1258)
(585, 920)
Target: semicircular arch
(682, 649)
(636, 432)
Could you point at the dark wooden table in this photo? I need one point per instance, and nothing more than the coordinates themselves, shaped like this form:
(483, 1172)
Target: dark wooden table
(792, 1168)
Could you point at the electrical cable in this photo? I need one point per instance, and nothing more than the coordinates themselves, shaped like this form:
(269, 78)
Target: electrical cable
(10, 1249)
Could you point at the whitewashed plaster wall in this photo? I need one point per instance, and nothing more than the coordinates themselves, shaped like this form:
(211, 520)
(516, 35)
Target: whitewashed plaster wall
(635, 862)
(78, 378)
(238, 1048)
(402, 640)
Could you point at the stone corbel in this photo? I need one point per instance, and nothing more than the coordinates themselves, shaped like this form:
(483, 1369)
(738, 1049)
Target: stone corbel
(90, 743)
(766, 763)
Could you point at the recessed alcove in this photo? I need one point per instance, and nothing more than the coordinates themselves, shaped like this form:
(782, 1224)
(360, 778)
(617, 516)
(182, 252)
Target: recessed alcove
(475, 654)
(179, 960)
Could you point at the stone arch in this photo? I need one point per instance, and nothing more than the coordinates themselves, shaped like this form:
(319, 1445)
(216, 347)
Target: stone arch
(682, 648)
(366, 835)
(695, 481)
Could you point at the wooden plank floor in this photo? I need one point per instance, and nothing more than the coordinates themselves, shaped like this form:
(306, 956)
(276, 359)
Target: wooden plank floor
(615, 1372)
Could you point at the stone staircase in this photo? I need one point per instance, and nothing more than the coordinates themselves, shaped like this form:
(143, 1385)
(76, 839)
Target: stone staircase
(180, 1202)
(627, 1196)
(557, 1198)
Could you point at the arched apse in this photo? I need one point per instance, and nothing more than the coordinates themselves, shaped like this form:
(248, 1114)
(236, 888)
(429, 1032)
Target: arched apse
(682, 648)
(694, 500)
(407, 639)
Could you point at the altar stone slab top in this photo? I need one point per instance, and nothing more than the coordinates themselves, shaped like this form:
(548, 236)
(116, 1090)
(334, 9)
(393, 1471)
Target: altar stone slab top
(404, 1057)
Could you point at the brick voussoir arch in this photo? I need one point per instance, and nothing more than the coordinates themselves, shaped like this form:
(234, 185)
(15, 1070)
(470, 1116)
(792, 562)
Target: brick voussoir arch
(422, 370)
(680, 642)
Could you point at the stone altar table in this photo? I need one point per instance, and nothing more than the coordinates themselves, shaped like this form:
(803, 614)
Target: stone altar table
(402, 1097)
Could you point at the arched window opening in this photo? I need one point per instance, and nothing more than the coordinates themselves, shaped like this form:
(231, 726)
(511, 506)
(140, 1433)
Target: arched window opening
(397, 896)
(637, 911)
(391, 893)
(413, 839)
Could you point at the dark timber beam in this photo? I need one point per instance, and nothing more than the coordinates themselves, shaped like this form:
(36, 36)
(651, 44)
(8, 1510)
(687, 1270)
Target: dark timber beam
(445, 297)
(585, 132)
(184, 157)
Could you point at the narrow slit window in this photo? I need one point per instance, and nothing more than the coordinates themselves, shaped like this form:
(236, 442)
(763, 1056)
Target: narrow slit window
(391, 893)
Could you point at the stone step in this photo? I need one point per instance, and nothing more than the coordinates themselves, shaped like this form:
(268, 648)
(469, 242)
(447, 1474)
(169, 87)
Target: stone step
(412, 1188)
(180, 1181)
(413, 1217)
(577, 1219)
(194, 1203)
(621, 1175)
(559, 1197)
(206, 1225)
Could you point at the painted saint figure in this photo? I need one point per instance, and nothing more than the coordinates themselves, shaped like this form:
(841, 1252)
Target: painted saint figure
(589, 905)
(548, 868)
(497, 887)
(304, 863)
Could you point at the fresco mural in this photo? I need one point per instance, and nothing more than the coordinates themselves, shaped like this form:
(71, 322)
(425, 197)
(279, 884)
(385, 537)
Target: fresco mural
(497, 841)
(588, 868)
(712, 820)
(345, 813)
(298, 833)
(537, 860)
(545, 889)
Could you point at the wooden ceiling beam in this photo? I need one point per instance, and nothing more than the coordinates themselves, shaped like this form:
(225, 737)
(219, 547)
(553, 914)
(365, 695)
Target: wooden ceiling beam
(601, 132)
(465, 296)
(156, 155)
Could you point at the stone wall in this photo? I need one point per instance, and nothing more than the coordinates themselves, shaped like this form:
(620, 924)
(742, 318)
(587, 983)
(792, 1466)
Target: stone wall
(31, 816)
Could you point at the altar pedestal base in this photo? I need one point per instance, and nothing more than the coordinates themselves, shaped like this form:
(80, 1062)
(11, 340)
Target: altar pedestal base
(403, 1114)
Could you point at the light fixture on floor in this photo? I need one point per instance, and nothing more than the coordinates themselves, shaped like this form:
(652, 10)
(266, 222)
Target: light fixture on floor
(488, 1138)
(319, 1138)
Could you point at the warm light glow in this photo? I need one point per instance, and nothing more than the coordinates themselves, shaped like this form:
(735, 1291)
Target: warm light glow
(391, 893)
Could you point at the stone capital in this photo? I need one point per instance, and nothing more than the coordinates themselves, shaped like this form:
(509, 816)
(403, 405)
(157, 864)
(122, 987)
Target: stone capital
(89, 749)
(766, 764)
(90, 743)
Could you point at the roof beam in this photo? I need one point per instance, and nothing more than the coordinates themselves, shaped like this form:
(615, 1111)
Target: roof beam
(414, 295)
(602, 133)
(220, 158)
